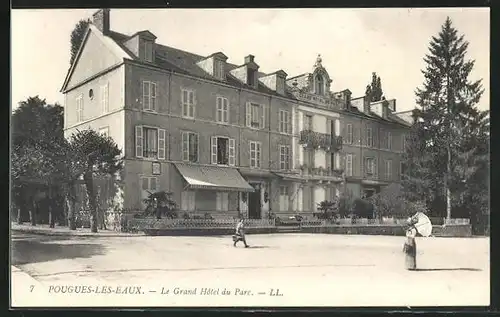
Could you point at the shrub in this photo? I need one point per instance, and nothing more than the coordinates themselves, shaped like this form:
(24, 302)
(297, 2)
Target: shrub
(362, 208)
(328, 209)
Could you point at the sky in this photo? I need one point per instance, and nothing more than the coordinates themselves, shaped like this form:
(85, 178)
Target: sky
(353, 43)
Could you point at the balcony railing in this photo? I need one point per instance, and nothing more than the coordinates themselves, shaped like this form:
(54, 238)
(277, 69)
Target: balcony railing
(320, 171)
(324, 141)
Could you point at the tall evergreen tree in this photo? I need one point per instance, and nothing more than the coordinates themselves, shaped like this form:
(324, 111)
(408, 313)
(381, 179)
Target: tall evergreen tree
(374, 89)
(447, 155)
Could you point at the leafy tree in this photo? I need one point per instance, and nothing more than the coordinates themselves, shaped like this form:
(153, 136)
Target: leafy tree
(98, 155)
(160, 203)
(374, 90)
(77, 37)
(447, 121)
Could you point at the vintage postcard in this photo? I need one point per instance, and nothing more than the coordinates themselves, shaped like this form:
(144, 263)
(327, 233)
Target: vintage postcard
(250, 158)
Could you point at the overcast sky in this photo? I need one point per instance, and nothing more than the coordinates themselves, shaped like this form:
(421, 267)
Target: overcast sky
(352, 42)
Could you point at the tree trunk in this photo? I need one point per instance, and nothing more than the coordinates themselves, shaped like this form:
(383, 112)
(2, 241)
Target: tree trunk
(447, 185)
(89, 185)
(51, 210)
(33, 211)
(19, 216)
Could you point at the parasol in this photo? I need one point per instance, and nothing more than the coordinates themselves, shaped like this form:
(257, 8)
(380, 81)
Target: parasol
(423, 224)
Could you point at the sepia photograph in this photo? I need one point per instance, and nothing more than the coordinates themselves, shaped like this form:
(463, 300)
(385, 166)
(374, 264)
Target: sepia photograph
(326, 157)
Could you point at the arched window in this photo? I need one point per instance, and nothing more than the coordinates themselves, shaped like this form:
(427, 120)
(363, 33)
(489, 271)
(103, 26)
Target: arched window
(320, 85)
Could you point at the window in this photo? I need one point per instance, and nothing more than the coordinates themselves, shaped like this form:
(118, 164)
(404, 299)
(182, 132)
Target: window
(336, 160)
(308, 122)
(284, 119)
(255, 154)
(308, 157)
(402, 170)
(223, 151)
(149, 142)
(219, 69)
(403, 142)
(188, 200)
(349, 134)
(147, 50)
(280, 85)
(222, 110)
(389, 140)
(188, 103)
(348, 164)
(189, 146)
(320, 85)
(284, 157)
(388, 169)
(104, 131)
(148, 185)
(284, 198)
(370, 166)
(105, 98)
(79, 108)
(251, 77)
(222, 201)
(148, 96)
(369, 137)
(255, 117)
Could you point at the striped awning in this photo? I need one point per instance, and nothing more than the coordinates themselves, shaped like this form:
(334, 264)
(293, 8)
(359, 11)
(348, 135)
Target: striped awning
(213, 178)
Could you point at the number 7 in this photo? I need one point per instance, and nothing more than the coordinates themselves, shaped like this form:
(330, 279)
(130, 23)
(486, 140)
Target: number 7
(31, 288)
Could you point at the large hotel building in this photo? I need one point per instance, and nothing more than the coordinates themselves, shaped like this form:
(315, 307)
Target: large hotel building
(224, 138)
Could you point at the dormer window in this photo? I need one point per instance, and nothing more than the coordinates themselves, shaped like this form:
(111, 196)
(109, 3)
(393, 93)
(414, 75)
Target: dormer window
(320, 85)
(251, 77)
(280, 85)
(146, 50)
(219, 69)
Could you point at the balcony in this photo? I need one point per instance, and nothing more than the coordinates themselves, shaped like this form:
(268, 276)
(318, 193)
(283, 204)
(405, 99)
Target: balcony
(320, 172)
(329, 143)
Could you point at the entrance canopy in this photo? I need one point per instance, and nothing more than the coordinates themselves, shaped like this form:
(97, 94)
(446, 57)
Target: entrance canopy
(213, 178)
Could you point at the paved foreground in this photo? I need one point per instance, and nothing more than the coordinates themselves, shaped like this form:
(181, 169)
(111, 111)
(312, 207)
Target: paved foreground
(308, 270)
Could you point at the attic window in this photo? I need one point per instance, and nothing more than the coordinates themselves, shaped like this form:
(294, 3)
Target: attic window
(319, 85)
(251, 77)
(219, 69)
(146, 50)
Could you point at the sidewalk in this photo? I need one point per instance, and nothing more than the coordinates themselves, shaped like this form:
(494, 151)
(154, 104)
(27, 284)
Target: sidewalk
(24, 289)
(64, 231)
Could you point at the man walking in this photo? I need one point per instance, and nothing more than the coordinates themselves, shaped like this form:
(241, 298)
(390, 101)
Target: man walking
(240, 233)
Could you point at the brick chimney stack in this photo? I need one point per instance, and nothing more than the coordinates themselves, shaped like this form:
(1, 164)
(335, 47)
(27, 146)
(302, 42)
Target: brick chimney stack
(101, 20)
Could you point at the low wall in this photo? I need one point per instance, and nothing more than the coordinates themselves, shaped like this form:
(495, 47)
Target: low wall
(438, 231)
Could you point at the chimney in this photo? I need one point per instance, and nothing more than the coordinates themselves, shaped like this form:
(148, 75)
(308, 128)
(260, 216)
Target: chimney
(249, 59)
(101, 20)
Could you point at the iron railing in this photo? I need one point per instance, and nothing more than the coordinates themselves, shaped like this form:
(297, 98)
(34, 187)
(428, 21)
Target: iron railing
(328, 142)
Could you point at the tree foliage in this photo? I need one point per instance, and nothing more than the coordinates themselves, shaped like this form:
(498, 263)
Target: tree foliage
(447, 153)
(77, 37)
(97, 155)
(374, 89)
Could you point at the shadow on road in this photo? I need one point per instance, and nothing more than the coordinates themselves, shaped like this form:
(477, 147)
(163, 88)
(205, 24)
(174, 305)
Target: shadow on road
(258, 247)
(450, 269)
(25, 251)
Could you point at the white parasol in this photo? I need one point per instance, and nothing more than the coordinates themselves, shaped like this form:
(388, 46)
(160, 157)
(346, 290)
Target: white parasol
(423, 224)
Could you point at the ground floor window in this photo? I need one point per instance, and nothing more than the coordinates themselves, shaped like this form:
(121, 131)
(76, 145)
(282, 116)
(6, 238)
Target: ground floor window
(284, 198)
(188, 199)
(149, 184)
(222, 201)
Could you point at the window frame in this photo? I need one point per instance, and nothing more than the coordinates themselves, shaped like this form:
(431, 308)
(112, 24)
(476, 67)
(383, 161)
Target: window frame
(257, 152)
(349, 164)
(372, 165)
(104, 91)
(150, 97)
(222, 201)
(388, 169)
(389, 140)
(191, 107)
(249, 115)
(284, 121)
(79, 108)
(224, 101)
(188, 134)
(369, 137)
(349, 134)
(285, 164)
(149, 177)
(161, 143)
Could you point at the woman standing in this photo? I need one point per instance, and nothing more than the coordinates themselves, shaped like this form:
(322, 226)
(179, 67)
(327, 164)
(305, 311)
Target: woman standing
(410, 247)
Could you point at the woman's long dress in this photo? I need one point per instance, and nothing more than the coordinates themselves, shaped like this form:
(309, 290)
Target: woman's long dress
(410, 249)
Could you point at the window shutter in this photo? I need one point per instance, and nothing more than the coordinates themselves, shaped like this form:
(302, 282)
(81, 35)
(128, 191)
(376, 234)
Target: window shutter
(231, 152)
(185, 146)
(248, 114)
(263, 120)
(290, 117)
(153, 97)
(145, 95)
(161, 144)
(337, 160)
(218, 201)
(138, 141)
(214, 150)
(329, 126)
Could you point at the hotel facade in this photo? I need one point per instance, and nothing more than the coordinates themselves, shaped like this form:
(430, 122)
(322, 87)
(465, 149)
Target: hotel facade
(226, 139)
